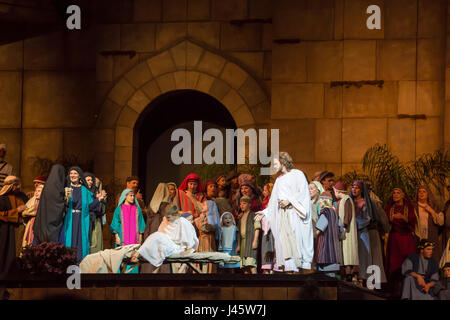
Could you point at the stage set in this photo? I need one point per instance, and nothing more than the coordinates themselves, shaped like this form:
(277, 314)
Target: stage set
(97, 98)
(191, 287)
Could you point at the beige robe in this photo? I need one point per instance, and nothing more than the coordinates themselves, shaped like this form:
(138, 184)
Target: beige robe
(107, 261)
(350, 243)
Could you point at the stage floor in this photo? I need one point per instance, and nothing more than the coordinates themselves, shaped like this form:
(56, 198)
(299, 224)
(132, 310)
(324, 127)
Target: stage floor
(189, 287)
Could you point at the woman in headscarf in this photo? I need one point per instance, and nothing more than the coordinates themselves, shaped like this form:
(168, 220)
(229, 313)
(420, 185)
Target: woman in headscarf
(52, 206)
(165, 196)
(96, 218)
(173, 194)
(80, 203)
(363, 215)
(208, 226)
(191, 197)
(315, 190)
(401, 216)
(30, 214)
(249, 189)
(128, 223)
(428, 219)
(160, 200)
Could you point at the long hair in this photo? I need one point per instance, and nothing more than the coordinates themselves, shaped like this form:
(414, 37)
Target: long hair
(430, 199)
(269, 187)
(286, 160)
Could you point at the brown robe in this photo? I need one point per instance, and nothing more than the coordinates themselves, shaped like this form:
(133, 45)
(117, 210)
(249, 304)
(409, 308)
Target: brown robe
(207, 241)
(9, 218)
(152, 225)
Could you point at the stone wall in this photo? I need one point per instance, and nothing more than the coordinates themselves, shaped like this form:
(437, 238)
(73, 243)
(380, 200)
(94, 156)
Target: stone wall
(47, 92)
(340, 123)
(61, 95)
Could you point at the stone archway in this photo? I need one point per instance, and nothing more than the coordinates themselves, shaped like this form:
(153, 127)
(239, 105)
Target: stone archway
(185, 65)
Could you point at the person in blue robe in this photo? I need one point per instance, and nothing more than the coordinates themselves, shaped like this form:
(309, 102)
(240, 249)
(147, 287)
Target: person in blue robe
(80, 203)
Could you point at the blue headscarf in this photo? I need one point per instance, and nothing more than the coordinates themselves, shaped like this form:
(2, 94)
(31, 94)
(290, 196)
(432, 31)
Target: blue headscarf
(366, 195)
(123, 196)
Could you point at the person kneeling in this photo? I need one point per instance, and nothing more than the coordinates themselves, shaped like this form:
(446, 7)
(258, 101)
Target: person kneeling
(175, 235)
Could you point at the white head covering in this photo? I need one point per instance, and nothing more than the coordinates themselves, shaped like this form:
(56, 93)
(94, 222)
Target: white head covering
(161, 195)
(227, 234)
(8, 184)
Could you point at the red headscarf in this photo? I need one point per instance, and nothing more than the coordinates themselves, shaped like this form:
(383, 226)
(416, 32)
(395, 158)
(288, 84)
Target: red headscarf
(40, 179)
(191, 177)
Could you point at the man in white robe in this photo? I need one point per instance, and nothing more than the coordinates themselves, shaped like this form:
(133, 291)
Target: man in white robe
(289, 216)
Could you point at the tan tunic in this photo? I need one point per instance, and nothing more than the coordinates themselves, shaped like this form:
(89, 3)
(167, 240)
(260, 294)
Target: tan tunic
(346, 211)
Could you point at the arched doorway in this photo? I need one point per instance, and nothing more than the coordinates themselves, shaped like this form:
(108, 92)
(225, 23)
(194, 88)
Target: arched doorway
(183, 66)
(152, 134)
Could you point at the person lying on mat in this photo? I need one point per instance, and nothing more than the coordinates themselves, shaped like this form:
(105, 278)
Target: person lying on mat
(175, 235)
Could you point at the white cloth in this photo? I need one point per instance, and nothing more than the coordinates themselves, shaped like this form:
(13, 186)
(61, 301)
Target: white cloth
(171, 238)
(293, 187)
(106, 261)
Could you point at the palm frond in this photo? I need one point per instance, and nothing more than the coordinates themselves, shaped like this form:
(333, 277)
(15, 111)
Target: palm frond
(385, 172)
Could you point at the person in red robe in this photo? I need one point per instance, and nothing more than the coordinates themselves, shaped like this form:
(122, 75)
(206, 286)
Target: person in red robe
(401, 215)
(191, 196)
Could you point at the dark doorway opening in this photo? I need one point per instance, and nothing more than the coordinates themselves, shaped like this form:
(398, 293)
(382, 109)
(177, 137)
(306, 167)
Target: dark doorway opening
(152, 144)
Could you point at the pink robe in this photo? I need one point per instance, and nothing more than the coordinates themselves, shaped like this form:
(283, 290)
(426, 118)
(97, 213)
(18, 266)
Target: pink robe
(129, 225)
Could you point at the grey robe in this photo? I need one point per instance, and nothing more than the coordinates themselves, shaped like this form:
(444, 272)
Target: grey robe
(410, 290)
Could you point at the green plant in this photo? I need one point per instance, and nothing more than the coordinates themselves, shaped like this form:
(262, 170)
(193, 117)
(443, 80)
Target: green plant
(385, 172)
(42, 166)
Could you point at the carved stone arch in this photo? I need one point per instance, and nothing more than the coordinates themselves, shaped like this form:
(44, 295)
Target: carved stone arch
(185, 65)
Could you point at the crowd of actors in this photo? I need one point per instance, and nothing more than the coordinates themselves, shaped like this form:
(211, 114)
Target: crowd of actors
(292, 225)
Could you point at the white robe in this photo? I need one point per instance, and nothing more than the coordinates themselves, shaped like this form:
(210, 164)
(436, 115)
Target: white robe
(171, 238)
(293, 187)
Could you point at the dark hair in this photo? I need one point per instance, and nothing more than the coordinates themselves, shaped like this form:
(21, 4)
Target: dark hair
(326, 174)
(172, 211)
(132, 178)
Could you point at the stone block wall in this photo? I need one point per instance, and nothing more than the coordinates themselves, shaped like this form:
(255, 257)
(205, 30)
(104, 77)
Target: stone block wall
(47, 94)
(408, 54)
(62, 94)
